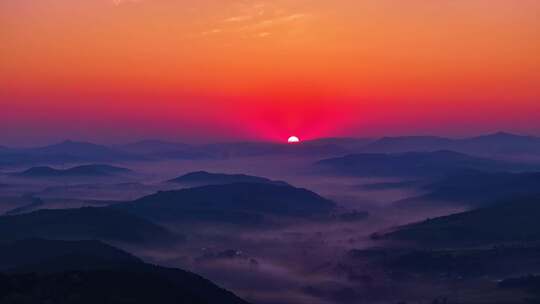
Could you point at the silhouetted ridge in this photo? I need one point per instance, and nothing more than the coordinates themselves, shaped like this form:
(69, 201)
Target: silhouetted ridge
(476, 188)
(230, 202)
(88, 272)
(437, 163)
(84, 223)
(500, 143)
(64, 152)
(511, 221)
(201, 178)
(79, 171)
(37, 255)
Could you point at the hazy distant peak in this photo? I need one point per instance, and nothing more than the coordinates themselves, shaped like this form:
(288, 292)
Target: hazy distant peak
(436, 163)
(69, 142)
(85, 170)
(156, 142)
(504, 136)
(417, 137)
(201, 178)
(238, 203)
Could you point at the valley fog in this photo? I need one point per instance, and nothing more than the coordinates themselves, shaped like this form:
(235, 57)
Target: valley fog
(276, 264)
(290, 225)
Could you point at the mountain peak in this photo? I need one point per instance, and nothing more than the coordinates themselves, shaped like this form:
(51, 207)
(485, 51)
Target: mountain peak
(503, 134)
(200, 178)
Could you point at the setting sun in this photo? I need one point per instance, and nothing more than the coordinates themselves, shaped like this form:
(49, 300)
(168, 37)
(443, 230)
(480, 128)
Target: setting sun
(293, 140)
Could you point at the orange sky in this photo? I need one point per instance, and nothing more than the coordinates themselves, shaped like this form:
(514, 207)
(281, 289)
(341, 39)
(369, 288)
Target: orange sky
(263, 69)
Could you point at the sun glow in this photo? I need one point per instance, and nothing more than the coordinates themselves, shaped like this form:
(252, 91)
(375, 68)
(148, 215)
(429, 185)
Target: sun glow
(293, 140)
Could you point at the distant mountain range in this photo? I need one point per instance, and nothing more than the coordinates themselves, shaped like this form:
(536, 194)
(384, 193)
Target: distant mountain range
(154, 146)
(203, 178)
(156, 149)
(78, 149)
(64, 152)
(79, 171)
(500, 145)
(496, 144)
(476, 188)
(233, 203)
(99, 191)
(88, 272)
(84, 224)
(252, 149)
(413, 164)
(512, 221)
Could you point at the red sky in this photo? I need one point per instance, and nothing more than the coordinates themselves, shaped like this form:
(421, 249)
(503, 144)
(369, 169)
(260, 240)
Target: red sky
(120, 70)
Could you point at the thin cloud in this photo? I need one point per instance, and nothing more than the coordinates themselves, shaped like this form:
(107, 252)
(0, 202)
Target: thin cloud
(120, 2)
(264, 34)
(212, 32)
(275, 21)
(238, 19)
(257, 20)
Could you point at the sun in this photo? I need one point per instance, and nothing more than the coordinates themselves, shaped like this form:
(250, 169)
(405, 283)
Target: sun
(293, 140)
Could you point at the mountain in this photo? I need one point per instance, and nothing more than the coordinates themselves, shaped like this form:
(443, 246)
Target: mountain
(34, 204)
(82, 151)
(447, 263)
(79, 171)
(153, 146)
(99, 191)
(502, 143)
(322, 147)
(510, 221)
(390, 185)
(87, 272)
(344, 143)
(56, 255)
(84, 223)
(476, 188)
(412, 164)
(65, 152)
(408, 144)
(156, 149)
(499, 144)
(170, 150)
(529, 283)
(203, 178)
(235, 203)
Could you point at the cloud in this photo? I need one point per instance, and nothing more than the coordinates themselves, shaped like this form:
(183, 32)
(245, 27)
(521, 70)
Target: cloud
(264, 34)
(258, 20)
(120, 2)
(274, 21)
(238, 19)
(212, 32)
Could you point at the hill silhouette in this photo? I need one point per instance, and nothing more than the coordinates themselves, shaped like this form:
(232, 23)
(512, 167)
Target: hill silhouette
(78, 171)
(203, 178)
(412, 164)
(84, 223)
(511, 221)
(59, 255)
(64, 152)
(238, 202)
(157, 149)
(92, 272)
(476, 188)
(500, 143)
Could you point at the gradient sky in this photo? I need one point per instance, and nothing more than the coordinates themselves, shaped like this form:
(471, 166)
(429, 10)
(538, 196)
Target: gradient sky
(201, 70)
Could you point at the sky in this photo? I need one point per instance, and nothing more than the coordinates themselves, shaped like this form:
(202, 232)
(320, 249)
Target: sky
(206, 70)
